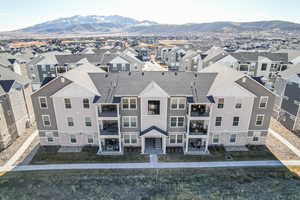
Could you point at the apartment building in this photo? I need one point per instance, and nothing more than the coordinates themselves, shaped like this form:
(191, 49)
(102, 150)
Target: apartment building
(16, 110)
(287, 103)
(153, 111)
(257, 64)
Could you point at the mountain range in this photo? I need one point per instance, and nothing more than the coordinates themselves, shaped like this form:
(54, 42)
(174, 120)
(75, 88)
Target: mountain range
(115, 23)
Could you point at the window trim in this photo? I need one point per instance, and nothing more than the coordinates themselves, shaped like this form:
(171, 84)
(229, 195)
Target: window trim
(44, 120)
(177, 99)
(72, 121)
(213, 139)
(238, 121)
(84, 104)
(129, 121)
(176, 139)
(159, 105)
(89, 121)
(92, 137)
(262, 121)
(66, 103)
(234, 138)
(129, 102)
(221, 104)
(217, 121)
(260, 101)
(177, 117)
(45, 102)
(71, 139)
(130, 138)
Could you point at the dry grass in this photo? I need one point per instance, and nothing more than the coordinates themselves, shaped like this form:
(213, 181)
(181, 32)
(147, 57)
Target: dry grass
(27, 44)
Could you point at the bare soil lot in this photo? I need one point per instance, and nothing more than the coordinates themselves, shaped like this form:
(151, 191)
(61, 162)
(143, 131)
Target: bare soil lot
(146, 184)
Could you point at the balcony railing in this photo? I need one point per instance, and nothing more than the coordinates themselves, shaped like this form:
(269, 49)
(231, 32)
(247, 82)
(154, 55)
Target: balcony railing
(199, 114)
(109, 131)
(198, 131)
(108, 114)
(199, 110)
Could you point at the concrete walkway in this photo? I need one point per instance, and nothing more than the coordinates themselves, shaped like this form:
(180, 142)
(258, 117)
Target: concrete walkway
(285, 142)
(159, 165)
(20, 151)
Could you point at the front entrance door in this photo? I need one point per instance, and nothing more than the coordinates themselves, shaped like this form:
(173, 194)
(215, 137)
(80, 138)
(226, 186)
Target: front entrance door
(153, 145)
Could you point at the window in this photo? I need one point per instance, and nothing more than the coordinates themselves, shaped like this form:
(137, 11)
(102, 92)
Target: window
(90, 139)
(127, 67)
(176, 139)
(263, 102)
(43, 102)
(70, 121)
(73, 139)
(238, 105)
(46, 120)
(255, 139)
(235, 121)
(178, 103)
(243, 67)
(129, 103)
(130, 139)
(88, 121)
(264, 67)
(43, 67)
(259, 120)
(55, 134)
(176, 122)
(233, 138)
(153, 107)
(52, 67)
(221, 103)
(42, 134)
(86, 103)
(218, 121)
(68, 103)
(215, 139)
(129, 121)
(50, 139)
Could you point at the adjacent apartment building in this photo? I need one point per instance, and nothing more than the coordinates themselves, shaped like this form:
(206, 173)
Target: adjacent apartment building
(16, 110)
(153, 111)
(287, 103)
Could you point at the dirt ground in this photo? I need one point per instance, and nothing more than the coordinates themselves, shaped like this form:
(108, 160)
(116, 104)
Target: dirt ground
(273, 183)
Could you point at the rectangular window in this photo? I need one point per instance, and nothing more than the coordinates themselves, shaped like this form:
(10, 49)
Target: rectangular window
(244, 68)
(215, 139)
(259, 120)
(86, 103)
(129, 103)
(176, 139)
(264, 67)
(178, 103)
(172, 139)
(88, 121)
(233, 138)
(235, 121)
(43, 67)
(130, 139)
(176, 122)
(70, 121)
(238, 103)
(255, 139)
(68, 103)
(73, 139)
(50, 139)
(90, 139)
(218, 121)
(221, 103)
(263, 102)
(55, 134)
(43, 102)
(153, 107)
(46, 120)
(129, 121)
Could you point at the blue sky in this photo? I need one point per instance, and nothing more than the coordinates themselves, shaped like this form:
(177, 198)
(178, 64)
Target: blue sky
(15, 14)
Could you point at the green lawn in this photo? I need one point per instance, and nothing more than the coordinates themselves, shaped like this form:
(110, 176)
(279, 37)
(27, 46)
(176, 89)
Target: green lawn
(264, 183)
(88, 155)
(219, 154)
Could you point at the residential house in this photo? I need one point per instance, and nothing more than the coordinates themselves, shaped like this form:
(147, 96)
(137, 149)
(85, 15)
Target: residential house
(16, 110)
(287, 103)
(152, 112)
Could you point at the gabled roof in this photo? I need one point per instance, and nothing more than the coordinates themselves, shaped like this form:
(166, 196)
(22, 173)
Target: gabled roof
(291, 71)
(153, 128)
(253, 56)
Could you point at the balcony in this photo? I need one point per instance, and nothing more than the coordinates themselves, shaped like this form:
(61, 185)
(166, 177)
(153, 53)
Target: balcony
(196, 145)
(109, 128)
(108, 111)
(200, 110)
(198, 127)
(110, 145)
